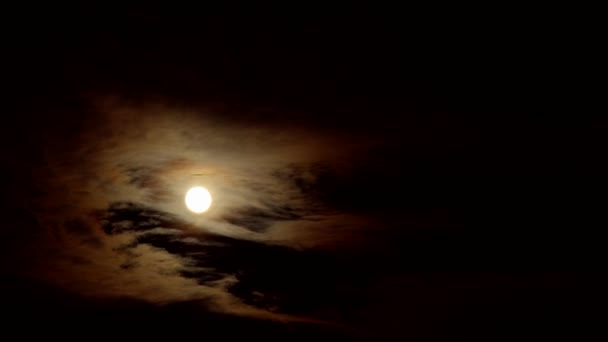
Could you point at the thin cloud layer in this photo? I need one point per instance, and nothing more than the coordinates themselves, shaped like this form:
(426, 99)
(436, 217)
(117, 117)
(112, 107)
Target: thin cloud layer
(299, 228)
(114, 223)
(152, 155)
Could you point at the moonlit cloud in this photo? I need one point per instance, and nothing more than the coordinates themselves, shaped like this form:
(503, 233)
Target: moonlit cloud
(111, 202)
(152, 155)
(298, 209)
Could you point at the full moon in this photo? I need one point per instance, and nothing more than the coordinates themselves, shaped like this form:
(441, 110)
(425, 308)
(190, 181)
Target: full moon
(198, 199)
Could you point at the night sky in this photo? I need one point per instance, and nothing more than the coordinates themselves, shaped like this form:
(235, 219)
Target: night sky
(396, 174)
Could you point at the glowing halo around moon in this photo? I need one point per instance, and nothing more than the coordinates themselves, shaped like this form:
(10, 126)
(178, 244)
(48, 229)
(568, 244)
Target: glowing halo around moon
(198, 199)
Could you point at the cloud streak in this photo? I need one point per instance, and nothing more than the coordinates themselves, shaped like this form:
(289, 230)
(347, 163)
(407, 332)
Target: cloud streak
(110, 202)
(112, 222)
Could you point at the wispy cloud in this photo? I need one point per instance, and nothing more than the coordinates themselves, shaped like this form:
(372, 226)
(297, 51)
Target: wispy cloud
(152, 155)
(111, 203)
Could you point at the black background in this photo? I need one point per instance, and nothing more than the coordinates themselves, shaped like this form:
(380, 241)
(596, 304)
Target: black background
(519, 193)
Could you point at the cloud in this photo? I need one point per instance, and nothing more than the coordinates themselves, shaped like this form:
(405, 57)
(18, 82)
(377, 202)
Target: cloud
(140, 262)
(152, 154)
(110, 202)
(297, 227)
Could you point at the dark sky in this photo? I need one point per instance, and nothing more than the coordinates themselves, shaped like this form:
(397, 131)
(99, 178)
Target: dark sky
(396, 174)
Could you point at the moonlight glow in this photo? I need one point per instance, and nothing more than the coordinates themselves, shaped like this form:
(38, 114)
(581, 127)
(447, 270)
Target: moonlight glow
(198, 199)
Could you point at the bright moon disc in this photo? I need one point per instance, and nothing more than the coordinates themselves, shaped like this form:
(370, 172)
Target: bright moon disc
(198, 199)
